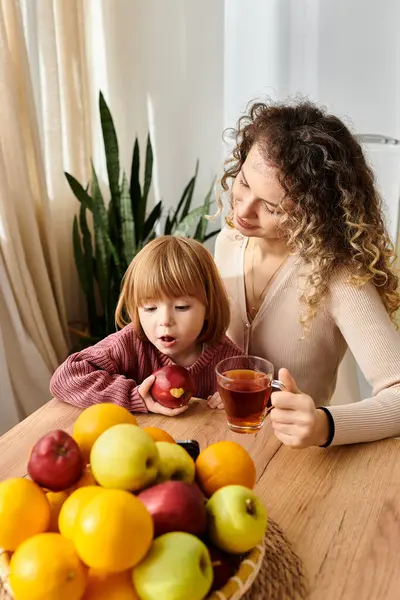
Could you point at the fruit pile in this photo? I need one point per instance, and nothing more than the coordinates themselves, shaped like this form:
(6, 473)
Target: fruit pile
(117, 511)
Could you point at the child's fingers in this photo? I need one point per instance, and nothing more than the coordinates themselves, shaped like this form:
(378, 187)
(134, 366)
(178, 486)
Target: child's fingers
(214, 401)
(170, 412)
(144, 387)
(159, 409)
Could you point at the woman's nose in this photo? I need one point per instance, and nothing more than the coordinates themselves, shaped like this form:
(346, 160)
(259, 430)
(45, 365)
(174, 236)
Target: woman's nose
(246, 208)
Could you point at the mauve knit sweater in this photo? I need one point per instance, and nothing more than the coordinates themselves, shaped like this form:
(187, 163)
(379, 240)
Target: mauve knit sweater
(113, 369)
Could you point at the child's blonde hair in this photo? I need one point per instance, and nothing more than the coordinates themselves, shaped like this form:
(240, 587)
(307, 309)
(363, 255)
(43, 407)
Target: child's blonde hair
(174, 267)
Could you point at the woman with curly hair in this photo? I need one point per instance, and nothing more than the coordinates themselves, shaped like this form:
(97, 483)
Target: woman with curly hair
(308, 265)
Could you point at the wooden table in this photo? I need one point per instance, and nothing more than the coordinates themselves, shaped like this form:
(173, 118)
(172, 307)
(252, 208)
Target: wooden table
(339, 507)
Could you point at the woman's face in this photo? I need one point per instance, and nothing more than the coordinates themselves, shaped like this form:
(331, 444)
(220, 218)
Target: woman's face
(256, 194)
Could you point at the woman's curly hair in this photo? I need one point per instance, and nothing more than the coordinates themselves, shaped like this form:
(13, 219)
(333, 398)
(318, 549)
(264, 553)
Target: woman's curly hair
(335, 218)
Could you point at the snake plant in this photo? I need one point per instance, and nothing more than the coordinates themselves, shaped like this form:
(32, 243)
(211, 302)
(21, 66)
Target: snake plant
(106, 236)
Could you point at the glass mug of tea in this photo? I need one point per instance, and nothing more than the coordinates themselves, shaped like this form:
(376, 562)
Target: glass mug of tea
(245, 384)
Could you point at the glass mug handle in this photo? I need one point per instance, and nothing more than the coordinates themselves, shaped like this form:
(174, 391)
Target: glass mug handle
(275, 383)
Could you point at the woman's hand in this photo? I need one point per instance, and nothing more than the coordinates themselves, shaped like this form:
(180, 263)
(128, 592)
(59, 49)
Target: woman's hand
(155, 407)
(215, 401)
(296, 421)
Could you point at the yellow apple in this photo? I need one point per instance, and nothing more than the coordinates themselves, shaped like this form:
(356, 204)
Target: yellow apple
(124, 457)
(177, 567)
(175, 463)
(237, 519)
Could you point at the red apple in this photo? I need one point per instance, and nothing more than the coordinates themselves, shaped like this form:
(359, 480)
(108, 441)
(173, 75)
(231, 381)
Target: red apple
(224, 566)
(173, 387)
(175, 506)
(56, 462)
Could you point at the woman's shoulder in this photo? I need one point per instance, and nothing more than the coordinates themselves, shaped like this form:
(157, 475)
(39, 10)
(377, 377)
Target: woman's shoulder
(227, 245)
(228, 236)
(348, 294)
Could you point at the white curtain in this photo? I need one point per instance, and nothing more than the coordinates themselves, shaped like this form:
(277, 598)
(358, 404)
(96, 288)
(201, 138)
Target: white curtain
(42, 134)
(55, 34)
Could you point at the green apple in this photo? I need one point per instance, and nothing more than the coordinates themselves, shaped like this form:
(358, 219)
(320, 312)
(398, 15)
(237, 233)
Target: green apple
(237, 519)
(124, 457)
(175, 463)
(177, 567)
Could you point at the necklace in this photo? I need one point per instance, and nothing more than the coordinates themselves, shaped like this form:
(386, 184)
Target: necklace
(257, 301)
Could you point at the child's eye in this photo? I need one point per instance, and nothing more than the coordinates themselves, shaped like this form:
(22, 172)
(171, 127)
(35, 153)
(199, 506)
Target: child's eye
(149, 308)
(182, 307)
(243, 183)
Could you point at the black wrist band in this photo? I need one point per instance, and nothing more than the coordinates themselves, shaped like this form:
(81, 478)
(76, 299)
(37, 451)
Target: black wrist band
(331, 426)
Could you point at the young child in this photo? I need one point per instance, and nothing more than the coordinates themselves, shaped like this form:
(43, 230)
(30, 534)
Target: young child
(173, 309)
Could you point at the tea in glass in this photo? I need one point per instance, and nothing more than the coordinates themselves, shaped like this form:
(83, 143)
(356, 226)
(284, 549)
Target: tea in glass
(245, 385)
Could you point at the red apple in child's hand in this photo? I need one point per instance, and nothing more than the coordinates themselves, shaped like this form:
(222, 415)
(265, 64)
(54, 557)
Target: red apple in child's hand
(176, 506)
(56, 462)
(173, 386)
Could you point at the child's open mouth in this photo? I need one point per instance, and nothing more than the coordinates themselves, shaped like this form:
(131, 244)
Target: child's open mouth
(167, 341)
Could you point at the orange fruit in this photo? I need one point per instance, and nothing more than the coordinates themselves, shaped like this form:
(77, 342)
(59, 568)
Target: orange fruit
(86, 479)
(73, 505)
(224, 463)
(96, 419)
(24, 511)
(113, 532)
(47, 567)
(56, 500)
(110, 586)
(159, 435)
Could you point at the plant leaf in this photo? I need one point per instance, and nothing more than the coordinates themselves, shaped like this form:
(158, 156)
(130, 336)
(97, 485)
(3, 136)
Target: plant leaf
(102, 218)
(189, 198)
(127, 223)
(187, 224)
(79, 191)
(140, 216)
(110, 147)
(168, 225)
(101, 250)
(152, 220)
(89, 268)
(175, 217)
(135, 189)
(202, 225)
(78, 256)
(148, 170)
(184, 202)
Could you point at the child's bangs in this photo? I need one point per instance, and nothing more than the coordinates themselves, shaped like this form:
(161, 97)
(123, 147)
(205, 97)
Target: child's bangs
(167, 276)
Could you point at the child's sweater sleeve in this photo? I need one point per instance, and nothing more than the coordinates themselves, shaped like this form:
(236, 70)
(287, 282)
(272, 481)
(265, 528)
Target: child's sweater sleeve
(96, 374)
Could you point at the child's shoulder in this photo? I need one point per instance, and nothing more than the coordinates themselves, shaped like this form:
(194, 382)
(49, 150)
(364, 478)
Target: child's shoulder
(126, 336)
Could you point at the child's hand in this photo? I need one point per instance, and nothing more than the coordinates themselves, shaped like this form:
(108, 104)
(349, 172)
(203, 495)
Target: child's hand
(215, 401)
(155, 407)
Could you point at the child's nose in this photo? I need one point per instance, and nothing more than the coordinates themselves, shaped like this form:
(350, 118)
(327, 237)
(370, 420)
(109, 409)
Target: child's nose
(166, 319)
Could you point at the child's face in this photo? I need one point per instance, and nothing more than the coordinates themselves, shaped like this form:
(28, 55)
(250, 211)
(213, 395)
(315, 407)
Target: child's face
(173, 324)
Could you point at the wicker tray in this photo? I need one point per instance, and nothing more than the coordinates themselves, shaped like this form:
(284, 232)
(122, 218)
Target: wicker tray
(271, 571)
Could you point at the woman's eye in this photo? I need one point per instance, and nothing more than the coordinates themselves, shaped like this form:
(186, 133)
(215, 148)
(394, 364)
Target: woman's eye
(243, 183)
(269, 211)
(182, 307)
